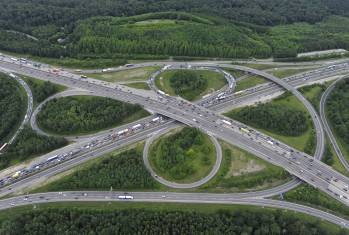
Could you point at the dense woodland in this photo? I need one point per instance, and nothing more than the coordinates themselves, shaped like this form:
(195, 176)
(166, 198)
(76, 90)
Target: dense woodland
(82, 114)
(146, 221)
(188, 84)
(12, 106)
(27, 145)
(173, 154)
(278, 118)
(219, 28)
(124, 171)
(337, 110)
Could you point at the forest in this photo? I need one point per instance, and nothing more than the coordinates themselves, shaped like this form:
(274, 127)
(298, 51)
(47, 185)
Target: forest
(84, 114)
(150, 221)
(278, 118)
(27, 145)
(191, 28)
(337, 110)
(12, 106)
(176, 155)
(188, 84)
(124, 171)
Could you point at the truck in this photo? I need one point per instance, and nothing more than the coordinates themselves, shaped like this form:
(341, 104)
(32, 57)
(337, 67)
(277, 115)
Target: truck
(3, 147)
(244, 130)
(12, 75)
(226, 122)
(50, 159)
(156, 119)
(136, 127)
(123, 132)
(161, 92)
(125, 197)
(16, 174)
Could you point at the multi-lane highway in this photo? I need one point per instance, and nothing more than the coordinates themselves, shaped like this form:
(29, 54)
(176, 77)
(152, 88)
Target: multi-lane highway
(166, 197)
(327, 126)
(299, 164)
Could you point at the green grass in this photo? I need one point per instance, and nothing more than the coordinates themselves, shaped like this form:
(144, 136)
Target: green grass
(261, 66)
(138, 85)
(249, 82)
(241, 171)
(162, 207)
(215, 82)
(194, 157)
(283, 73)
(136, 74)
(301, 142)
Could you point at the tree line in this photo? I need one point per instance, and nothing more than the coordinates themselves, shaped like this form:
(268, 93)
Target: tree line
(81, 114)
(151, 221)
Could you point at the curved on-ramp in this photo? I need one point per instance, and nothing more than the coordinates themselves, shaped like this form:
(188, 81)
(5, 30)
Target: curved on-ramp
(327, 126)
(181, 185)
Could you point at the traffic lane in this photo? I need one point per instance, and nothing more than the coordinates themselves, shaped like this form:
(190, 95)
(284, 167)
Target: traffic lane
(166, 198)
(41, 176)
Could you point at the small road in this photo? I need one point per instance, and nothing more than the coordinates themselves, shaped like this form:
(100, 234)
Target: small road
(166, 197)
(33, 119)
(327, 126)
(181, 185)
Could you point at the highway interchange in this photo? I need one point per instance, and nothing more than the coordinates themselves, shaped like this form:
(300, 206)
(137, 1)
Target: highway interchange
(307, 169)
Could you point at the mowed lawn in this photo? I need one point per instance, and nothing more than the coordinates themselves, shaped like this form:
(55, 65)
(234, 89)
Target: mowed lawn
(136, 74)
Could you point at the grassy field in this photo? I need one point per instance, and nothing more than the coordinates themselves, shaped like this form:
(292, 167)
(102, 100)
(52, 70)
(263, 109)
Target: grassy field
(215, 82)
(200, 163)
(138, 85)
(283, 73)
(260, 66)
(136, 74)
(200, 208)
(249, 82)
(241, 171)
